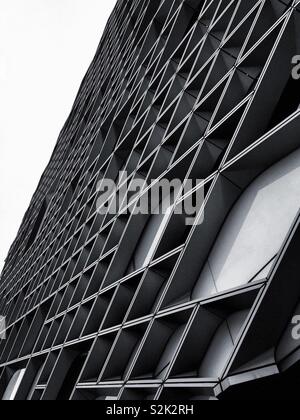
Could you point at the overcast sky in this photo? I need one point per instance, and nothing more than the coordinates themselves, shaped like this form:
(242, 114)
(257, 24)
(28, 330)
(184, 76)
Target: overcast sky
(46, 47)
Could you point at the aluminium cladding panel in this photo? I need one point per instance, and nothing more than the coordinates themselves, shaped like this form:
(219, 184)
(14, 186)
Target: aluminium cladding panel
(102, 306)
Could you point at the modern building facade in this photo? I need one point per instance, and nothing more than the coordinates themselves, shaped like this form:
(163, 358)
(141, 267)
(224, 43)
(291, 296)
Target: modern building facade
(145, 306)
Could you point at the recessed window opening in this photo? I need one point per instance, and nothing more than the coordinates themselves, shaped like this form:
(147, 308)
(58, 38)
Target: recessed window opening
(222, 346)
(71, 377)
(289, 102)
(154, 230)
(38, 222)
(14, 385)
(254, 231)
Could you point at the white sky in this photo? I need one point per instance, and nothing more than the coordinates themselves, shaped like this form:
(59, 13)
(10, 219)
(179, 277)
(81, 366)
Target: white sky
(46, 47)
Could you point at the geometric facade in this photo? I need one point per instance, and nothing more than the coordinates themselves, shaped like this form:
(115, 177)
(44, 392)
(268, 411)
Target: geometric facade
(102, 306)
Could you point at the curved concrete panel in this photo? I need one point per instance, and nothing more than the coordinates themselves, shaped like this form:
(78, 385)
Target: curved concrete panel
(254, 230)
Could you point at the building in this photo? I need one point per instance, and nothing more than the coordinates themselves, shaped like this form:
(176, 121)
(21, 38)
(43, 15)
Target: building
(143, 307)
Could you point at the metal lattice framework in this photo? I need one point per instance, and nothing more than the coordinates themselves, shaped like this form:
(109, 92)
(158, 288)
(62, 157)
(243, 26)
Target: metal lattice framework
(197, 89)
